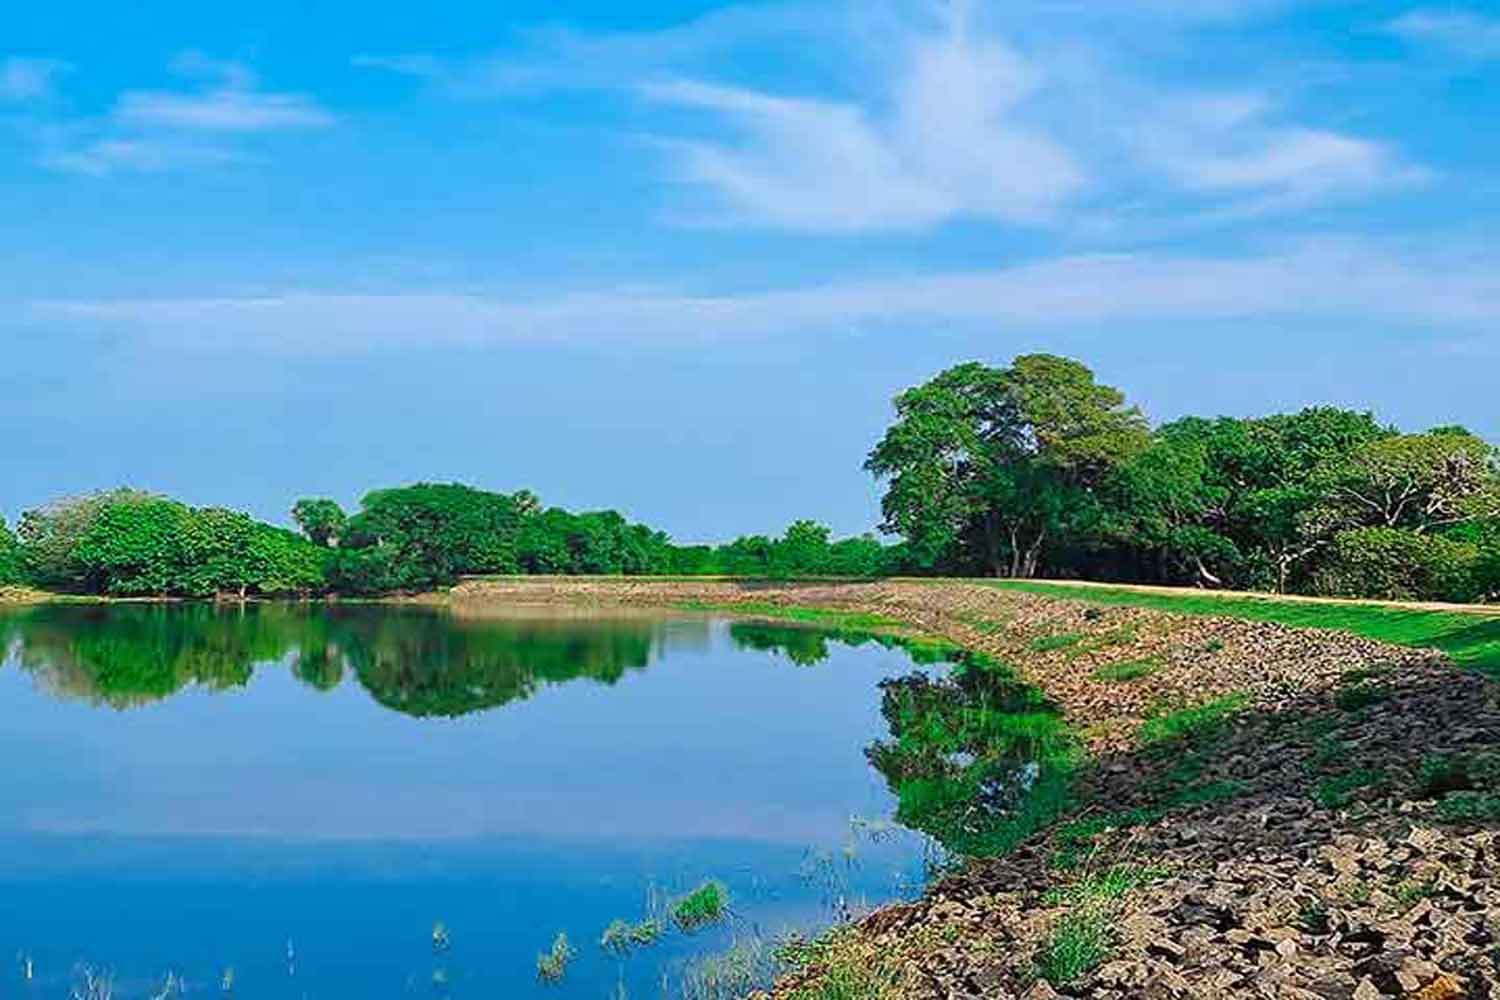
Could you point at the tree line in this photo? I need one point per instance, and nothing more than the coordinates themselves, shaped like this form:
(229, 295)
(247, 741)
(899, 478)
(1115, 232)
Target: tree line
(1035, 469)
(130, 543)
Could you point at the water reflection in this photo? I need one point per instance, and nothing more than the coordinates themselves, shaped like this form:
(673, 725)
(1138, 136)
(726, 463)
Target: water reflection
(275, 771)
(416, 661)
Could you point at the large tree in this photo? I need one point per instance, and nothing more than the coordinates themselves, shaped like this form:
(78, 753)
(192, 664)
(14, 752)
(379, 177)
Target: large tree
(1418, 482)
(986, 466)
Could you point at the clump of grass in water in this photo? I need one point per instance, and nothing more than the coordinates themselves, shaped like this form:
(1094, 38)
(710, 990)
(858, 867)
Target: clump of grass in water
(552, 966)
(745, 966)
(622, 937)
(705, 905)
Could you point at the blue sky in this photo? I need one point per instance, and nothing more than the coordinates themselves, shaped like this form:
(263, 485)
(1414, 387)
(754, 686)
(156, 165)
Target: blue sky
(677, 262)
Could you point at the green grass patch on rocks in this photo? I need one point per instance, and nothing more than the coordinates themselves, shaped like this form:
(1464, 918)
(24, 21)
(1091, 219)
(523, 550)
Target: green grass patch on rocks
(1053, 643)
(1082, 938)
(1471, 639)
(1129, 670)
(831, 617)
(1340, 790)
(1168, 725)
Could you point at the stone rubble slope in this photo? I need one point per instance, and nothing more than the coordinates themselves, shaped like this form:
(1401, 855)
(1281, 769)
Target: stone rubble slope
(1331, 873)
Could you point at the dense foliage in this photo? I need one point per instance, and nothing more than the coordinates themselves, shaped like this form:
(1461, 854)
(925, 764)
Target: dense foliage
(805, 549)
(10, 556)
(132, 544)
(429, 535)
(1037, 470)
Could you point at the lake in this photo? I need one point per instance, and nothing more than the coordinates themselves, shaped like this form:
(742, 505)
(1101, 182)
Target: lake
(366, 801)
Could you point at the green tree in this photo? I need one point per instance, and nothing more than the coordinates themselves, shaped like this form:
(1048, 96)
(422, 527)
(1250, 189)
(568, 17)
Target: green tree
(10, 556)
(1420, 482)
(986, 467)
(1398, 564)
(50, 535)
(322, 521)
(803, 550)
(426, 535)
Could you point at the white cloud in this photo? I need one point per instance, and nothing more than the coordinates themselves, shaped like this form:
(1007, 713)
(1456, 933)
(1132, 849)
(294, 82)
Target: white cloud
(1024, 113)
(1317, 281)
(1233, 145)
(222, 110)
(1464, 32)
(29, 79)
(951, 145)
(151, 131)
(103, 157)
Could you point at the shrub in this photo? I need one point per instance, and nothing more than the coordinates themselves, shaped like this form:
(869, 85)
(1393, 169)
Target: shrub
(1395, 564)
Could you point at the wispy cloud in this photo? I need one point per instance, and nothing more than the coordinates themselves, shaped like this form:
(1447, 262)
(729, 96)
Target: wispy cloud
(221, 110)
(161, 130)
(1465, 32)
(29, 79)
(102, 157)
(950, 146)
(1319, 281)
(1030, 113)
(1234, 145)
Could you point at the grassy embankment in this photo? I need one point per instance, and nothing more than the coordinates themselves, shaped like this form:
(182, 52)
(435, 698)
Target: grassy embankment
(1469, 638)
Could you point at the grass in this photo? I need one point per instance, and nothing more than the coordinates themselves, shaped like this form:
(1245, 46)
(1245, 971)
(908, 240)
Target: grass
(1053, 643)
(1468, 806)
(1354, 697)
(552, 966)
(1471, 640)
(1079, 943)
(856, 620)
(731, 974)
(622, 937)
(1130, 670)
(1170, 726)
(843, 976)
(1339, 790)
(707, 904)
(1082, 938)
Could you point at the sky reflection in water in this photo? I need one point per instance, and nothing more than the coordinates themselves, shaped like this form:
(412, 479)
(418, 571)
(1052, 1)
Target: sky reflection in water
(193, 787)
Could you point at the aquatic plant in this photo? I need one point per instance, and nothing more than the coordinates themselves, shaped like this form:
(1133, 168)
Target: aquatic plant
(705, 905)
(90, 983)
(552, 965)
(621, 936)
(745, 966)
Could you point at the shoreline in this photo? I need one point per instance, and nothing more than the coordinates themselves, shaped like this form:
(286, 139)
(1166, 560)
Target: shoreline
(1257, 810)
(1305, 841)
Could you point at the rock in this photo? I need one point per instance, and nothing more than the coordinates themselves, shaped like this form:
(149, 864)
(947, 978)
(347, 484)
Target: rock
(1444, 987)
(1040, 990)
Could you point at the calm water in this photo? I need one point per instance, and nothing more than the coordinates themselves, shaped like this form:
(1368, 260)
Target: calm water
(302, 794)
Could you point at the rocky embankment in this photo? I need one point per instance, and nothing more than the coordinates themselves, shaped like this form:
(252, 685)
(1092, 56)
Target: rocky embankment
(1330, 835)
